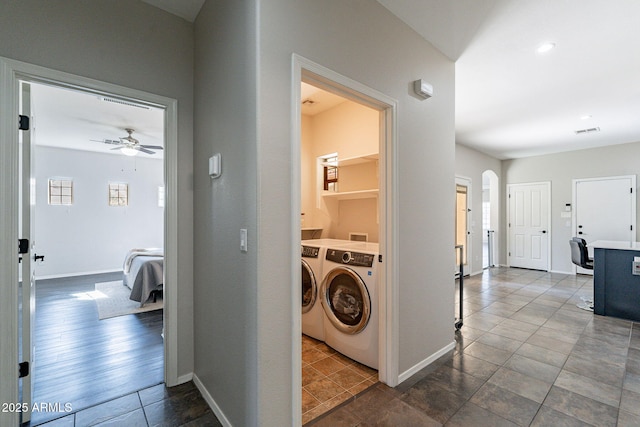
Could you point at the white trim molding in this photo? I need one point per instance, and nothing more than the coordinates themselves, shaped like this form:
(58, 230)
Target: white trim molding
(426, 362)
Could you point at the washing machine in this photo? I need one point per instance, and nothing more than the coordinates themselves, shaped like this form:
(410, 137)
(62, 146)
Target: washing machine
(349, 296)
(312, 314)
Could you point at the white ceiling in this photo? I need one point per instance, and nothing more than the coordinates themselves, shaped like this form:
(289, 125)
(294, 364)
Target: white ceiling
(510, 100)
(77, 120)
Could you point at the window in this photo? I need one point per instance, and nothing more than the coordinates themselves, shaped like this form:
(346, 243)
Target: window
(60, 191)
(118, 194)
(330, 174)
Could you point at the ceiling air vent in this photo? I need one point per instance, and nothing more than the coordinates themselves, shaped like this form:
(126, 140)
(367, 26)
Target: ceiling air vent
(308, 102)
(121, 102)
(585, 131)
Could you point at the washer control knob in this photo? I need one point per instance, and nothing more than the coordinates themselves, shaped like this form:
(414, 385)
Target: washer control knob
(346, 257)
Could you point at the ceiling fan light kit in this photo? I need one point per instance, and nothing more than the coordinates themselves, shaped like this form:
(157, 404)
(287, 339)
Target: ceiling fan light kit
(130, 146)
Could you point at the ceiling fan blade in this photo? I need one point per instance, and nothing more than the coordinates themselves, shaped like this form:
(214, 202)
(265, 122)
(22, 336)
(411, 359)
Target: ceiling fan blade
(155, 147)
(144, 150)
(107, 141)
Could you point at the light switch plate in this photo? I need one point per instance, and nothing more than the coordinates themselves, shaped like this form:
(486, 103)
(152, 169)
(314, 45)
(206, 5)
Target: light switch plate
(243, 240)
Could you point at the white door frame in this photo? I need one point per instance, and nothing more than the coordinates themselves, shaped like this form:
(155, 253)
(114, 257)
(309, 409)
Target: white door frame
(466, 182)
(549, 231)
(574, 204)
(309, 71)
(11, 72)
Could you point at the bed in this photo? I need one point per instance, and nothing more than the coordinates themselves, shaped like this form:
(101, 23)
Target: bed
(143, 273)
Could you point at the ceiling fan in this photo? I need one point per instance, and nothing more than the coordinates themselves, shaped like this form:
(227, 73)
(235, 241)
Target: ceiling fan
(130, 145)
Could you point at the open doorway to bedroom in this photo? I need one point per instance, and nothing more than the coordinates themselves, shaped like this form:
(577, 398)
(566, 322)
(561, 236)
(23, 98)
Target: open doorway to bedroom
(99, 167)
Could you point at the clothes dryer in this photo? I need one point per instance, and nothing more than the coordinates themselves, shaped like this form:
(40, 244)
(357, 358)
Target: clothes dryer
(312, 314)
(349, 295)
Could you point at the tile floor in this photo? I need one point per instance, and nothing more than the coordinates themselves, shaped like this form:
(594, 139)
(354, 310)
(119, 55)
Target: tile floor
(180, 406)
(526, 356)
(329, 378)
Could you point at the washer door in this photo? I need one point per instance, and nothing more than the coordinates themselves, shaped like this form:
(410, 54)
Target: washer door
(309, 287)
(346, 301)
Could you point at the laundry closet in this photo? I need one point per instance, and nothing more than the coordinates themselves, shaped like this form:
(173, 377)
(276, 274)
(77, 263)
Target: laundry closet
(339, 168)
(340, 229)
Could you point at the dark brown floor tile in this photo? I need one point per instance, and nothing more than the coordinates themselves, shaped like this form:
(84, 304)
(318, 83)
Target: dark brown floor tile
(473, 366)
(601, 371)
(340, 418)
(521, 384)
(207, 420)
(550, 417)
(160, 392)
(131, 419)
(433, 400)
(625, 419)
(178, 409)
(532, 368)
(506, 404)
(542, 339)
(488, 353)
(398, 413)
(500, 342)
(543, 355)
(630, 402)
(457, 382)
(588, 387)
(509, 332)
(473, 415)
(312, 355)
(108, 410)
(580, 407)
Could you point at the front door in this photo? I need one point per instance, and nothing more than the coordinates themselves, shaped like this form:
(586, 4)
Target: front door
(529, 225)
(605, 210)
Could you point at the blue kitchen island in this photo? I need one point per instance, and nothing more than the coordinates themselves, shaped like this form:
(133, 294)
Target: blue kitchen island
(616, 290)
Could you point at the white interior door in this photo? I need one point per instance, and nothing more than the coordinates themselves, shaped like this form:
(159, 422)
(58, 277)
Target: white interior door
(463, 221)
(29, 259)
(605, 210)
(529, 218)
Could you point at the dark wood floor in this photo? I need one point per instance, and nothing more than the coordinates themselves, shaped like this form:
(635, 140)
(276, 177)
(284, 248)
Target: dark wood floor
(85, 361)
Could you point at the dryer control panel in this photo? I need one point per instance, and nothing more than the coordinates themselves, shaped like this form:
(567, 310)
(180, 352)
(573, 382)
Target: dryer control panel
(357, 259)
(310, 251)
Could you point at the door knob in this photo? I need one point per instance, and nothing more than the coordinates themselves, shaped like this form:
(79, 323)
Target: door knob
(544, 231)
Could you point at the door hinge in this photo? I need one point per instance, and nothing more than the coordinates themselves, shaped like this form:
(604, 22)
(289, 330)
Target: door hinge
(23, 246)
(23, 122)
(631, 190)
(23, 369)
(379, 257)
(631, 227)
(509, 253)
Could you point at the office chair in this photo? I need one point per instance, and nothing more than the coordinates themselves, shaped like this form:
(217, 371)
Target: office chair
(579, 254)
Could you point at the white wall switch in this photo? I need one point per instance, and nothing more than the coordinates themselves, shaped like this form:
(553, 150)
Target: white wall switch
(243, 240)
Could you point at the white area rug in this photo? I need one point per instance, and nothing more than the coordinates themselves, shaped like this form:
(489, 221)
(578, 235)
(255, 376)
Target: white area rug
(112, 299)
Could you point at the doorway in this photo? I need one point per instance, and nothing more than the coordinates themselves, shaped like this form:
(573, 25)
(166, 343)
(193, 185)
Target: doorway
(309, 72)
(463, 224)
(96, 197)
(529, 216)
(604, 209)
(490, 218)
(13, 73)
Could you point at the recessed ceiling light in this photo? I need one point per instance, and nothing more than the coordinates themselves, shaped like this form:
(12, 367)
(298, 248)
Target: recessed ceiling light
(545, 47)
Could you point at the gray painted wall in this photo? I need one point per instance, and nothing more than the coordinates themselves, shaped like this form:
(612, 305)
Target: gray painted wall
(131, 44)
(243, 300)
(561, 169)
(225, 290)
(91, 236)
(471, 164)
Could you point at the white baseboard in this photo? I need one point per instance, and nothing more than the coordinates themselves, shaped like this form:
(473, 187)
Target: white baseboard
(84, 273)
(212, 403)
(562, 272)
(184, 378)
(426, 362)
